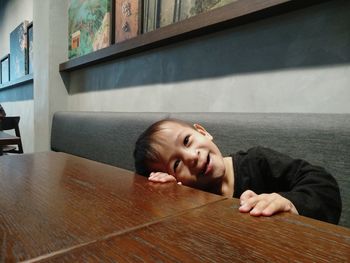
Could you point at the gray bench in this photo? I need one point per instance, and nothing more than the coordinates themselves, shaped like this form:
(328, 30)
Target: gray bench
(109, 137)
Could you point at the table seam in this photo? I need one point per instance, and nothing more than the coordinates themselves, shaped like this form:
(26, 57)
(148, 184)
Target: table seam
(117, 233)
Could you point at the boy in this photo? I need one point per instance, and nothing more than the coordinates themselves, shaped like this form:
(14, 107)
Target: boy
(267, 182)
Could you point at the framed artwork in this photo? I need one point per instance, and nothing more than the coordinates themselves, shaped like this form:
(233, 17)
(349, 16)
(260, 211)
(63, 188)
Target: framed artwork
(5, 69)
(168, 12)
(29, 55)
(149, 15)
(191, 8)
(89, 26)
(18, 46)
(127, 19)
(158, 13)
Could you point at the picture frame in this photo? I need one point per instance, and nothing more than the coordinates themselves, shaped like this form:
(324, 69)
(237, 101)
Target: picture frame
(168, 12)
(29, 50)
(18, 46)
(127, 19)
(229, 15)
(5, 69)
(190, 8)
(158, 13)
(149, 17)
(89, 26)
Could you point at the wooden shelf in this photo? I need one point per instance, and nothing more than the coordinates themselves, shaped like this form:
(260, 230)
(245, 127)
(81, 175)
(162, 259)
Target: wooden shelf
(234, 14)
(14, 83)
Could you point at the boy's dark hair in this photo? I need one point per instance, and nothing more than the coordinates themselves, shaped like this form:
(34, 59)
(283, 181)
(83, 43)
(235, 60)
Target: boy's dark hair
(145, 151)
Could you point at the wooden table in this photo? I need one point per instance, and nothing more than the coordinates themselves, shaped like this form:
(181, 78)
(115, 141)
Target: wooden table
(62, 208)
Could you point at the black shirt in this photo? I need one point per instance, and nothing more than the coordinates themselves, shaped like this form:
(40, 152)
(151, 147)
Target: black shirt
(312, 190)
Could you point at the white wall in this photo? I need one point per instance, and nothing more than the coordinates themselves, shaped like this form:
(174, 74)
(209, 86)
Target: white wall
(12, 13)
(50, 48)
(296, 62)
(312, 90)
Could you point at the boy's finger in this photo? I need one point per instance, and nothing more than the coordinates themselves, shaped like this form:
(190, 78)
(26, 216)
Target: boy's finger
(155, 179)
(277, 204)
(161, 177)
(272, 208)
(253, 201)
(259, 207)
(248, 204)
(247, 195)
(156, 174)
(161, 180)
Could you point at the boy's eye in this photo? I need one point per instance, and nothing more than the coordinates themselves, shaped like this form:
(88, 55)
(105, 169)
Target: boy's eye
(186, 140)
(176, 164)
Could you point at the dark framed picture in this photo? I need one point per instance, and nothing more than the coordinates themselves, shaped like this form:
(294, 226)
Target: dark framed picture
(18, 46)
(5, 69)
(29, 54)
(127, 19)
(89, 26)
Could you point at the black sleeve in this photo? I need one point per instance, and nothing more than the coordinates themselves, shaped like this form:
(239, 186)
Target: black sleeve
(312, 190)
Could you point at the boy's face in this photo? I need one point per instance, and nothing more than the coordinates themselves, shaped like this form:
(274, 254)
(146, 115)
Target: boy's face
(188, 154)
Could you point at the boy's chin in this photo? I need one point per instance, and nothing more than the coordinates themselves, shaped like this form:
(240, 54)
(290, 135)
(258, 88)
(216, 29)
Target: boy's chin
(216, 174)
(209, 178)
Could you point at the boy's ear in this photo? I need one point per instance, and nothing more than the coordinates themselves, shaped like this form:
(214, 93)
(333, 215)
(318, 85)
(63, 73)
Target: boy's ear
(202, 131)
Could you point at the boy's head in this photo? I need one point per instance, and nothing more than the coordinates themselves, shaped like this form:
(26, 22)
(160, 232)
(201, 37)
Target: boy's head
(187, 152)
(146, 149)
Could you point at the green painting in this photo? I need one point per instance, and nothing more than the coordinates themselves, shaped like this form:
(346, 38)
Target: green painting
(89, 26)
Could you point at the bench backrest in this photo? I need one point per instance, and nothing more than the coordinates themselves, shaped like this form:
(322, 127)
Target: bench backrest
(109, 137)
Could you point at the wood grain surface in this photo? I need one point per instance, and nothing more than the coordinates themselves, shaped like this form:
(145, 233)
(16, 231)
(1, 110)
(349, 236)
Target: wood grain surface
(217, 232)
(52, 202)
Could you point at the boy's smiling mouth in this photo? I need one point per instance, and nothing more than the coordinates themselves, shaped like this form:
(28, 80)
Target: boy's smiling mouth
(207, 167)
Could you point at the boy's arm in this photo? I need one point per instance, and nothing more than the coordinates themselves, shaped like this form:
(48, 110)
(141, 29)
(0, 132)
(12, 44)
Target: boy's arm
(311, 189)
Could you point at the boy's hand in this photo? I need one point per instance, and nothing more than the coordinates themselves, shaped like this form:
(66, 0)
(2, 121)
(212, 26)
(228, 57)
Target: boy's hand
(265, 204)
(160, 177)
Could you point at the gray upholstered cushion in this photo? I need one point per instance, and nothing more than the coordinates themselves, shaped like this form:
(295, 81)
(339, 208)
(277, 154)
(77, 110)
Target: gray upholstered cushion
(100, 136)
(322, 139)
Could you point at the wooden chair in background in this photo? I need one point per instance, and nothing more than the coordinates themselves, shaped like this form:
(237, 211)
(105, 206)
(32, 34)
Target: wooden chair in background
(10, 143)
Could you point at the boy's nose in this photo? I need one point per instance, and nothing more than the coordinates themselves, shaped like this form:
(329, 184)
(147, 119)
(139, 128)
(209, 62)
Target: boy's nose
(191, 157)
